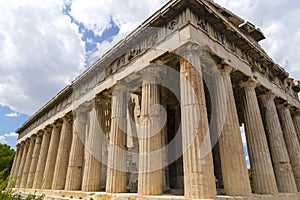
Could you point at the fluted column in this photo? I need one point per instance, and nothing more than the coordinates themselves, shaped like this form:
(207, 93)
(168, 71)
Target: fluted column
(27, 162)
(291, 141)
(51, 157)
(92, 165)
(116, 168)
(261, 165)
(150, 166)
(296, 120)
(281, 161)
(37, 183)
(15, 166)
(234, 169)
(34, 161)
(74, 174)
(199, 180)
(22, 163)
(61, 166)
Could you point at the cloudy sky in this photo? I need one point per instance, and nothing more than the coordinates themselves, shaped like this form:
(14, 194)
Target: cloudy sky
(45, 44)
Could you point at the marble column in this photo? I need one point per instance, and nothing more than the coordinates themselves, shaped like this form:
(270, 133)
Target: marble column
(51, 157)
(116, 168)
(92, 165)
(233, 163)
(27, 162)
(22, 162)
(76, 160)
(63, 152)
(291, 141)
(15, 166)
(35, 157)
(261, 165)
(199, 179)
(281, 161)
(150, 166)
(41, 163)
(296, 120)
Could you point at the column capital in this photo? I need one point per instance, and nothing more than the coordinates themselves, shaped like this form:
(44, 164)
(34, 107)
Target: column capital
(267, 96)
(226, 69)
(249, 84)
(282, 106)
(188, 49)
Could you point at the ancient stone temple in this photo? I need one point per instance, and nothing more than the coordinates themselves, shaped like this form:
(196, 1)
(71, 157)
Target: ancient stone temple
(159, 117)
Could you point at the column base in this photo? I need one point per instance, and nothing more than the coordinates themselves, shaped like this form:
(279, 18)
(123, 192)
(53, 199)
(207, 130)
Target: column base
(74, 195)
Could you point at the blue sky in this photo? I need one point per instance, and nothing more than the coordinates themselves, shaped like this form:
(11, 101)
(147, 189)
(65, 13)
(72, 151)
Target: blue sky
(44, 46)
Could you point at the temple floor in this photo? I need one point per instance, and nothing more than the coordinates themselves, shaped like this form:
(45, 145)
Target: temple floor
(64, 195)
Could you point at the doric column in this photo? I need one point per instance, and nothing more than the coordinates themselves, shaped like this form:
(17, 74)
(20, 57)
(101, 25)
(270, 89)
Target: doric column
(38, 179)
(291, 141)
(15, 166)
(281, 161)
(234, 168)
(76, 160)
(116, 168)
(92, 165)
(51, 157)
(150, 168)
(261, 165)
(22, 162)
(63, 152)
(199, 180)
(296, 120)
(34, 161)
(27, 162)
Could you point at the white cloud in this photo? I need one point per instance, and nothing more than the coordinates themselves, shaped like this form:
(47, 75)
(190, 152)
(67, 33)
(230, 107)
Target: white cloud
(12, 134)
(39, 50)
(12, 115)
(279, 21)
(2, 139)
(96, 15)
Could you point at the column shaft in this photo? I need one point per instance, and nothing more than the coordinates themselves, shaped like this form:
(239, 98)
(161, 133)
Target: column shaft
(74, 174)
(234, 169)
(22, 163)
(281, 161)
(61, 166)
(51, 158)
(34, 161)
(116, 168)
(291, 141)
(38, 178)
(199, 180)
(150, 166)
(296, 120)
(92, 165)
(27, 162)
(15, 166)
(261, 165)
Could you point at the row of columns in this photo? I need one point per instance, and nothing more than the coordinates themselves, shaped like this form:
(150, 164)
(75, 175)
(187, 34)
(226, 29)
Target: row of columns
(56, 159)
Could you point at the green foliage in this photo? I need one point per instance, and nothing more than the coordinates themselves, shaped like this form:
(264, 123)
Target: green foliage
(6, 160)
(251, 179)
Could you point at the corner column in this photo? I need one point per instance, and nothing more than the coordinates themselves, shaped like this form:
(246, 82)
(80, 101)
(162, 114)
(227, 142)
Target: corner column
(261, 165)
(234, 169)
(291, 140)
(116, 168)
(61, 166)
(281, 161)
(92, 165)
(51, 157)
(150, 166)
(16, 164)
(22, 163)
(35, 157)
(75, 167)
(27, 162)
(37, 183)
(199, 179)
